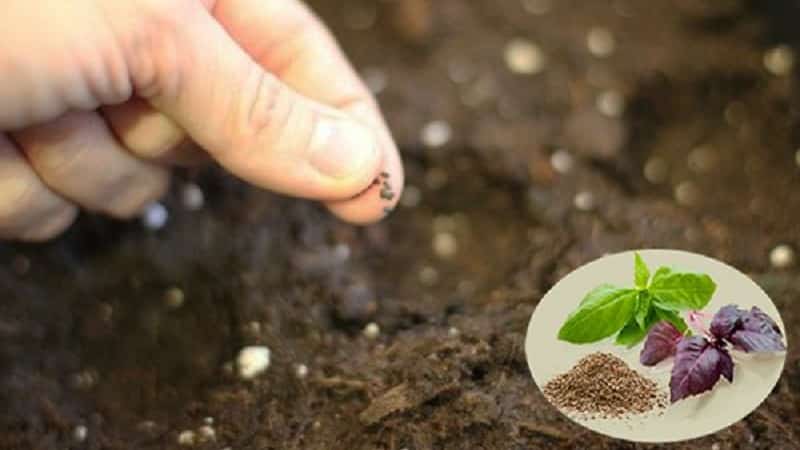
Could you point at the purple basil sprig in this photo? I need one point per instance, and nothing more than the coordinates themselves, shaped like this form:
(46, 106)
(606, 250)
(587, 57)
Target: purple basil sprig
(701, 360)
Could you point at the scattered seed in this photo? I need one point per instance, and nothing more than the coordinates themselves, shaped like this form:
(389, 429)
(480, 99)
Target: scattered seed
(445, 245)
(372, 330)
(186, 438)
(562, 161)
(411, 196)
(584, 201)
(301, 371)
(702, 159)
(537, 7)
(375, 79)
(656, 170)
(435, 133)
(253, 361)
(782, 256)
(80, 433)
(524, 57)
(687, 193)
(155, 216)
(601, 385)
(386, 194)
(600, 42)
(207, 433)
(428, 276)
(85, 379)
(174, 298)
(779, 60)
(192, 197)
(610, 103)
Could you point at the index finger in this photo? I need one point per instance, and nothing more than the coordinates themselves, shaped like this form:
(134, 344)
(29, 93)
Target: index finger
(288, 40)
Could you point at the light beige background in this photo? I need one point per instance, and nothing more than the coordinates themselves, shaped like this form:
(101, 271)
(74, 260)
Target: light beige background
(754, 377)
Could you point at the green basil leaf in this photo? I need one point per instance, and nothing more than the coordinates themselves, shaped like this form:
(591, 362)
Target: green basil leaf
(681, 290)
(641, 273)
(671, 317)
(643, 309)
(631, 334)
(603, 312)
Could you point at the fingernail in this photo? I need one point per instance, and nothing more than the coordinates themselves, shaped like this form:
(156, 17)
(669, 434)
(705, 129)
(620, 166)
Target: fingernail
(340, 149)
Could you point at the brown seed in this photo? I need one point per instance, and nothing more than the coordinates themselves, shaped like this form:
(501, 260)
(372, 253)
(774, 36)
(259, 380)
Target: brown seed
(602, 385)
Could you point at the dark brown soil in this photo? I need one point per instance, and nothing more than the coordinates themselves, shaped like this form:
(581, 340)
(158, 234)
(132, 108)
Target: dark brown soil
(86, 338)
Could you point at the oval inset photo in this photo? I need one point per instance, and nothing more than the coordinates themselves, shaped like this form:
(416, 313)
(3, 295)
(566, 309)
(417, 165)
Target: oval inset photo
(656, 345)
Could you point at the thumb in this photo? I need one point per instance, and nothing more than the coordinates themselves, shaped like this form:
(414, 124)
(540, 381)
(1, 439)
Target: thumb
(248, 120)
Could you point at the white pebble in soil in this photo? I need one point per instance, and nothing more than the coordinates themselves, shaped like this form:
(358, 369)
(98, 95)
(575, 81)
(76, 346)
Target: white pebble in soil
(523, 57)
(187, 438)
(562, 161)
(301, 371)
(584, 201)
(656, 170)
(687, 193)
(375, 79)
(782, 256)
(610, 103)
(600, 42)
(453, 332)
(411, 196)
(174, 298)
(445, 245)
(428, 276)
(206, 433)
(702, 159)
(372, 330)
(537, 7)
(155, 216)
(436, 134)
(779, 60)
(192, 197)
(252, 361)
(80, 433)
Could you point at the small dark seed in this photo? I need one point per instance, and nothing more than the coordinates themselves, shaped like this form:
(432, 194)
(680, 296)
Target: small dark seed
(385, 174)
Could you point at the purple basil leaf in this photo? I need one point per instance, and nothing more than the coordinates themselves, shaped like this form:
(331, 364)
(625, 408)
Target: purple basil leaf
(725, 321)
(725, 363)
(660, 343)
(698, 366)
(754, 341)
(757, 333)
(758, 320)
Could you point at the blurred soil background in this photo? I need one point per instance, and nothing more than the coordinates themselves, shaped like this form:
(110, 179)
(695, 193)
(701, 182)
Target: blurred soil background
(537, 136)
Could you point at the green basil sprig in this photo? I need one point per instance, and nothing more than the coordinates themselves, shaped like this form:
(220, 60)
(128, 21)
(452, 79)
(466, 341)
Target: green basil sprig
(631, 312)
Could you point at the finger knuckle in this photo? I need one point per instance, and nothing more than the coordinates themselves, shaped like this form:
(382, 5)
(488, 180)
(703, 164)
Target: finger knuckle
(258, 109)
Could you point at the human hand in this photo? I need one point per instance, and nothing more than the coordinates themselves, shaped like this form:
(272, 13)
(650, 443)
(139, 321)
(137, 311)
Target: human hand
(99, 97)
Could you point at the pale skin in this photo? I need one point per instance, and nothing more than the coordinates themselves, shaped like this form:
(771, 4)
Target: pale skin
(100, 98)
